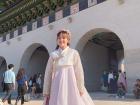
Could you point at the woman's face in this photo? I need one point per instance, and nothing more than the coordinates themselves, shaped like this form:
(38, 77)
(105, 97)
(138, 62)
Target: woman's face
(62, 40)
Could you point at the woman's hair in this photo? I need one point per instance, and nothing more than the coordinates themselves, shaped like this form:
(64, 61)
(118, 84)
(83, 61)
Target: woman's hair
(120, 71)
(67, 32)
(20, 73)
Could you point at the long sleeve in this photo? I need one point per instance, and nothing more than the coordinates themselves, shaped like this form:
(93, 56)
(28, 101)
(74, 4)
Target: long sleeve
(48, 77)
(79, 72)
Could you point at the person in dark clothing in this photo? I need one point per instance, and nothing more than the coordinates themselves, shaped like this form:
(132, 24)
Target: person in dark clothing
(22, 85)
(105, 79)
(30, 84)
(136, 90)
(34, 78)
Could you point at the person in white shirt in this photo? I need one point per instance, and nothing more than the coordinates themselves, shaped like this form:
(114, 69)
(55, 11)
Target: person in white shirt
(110, 76)
(110, 82)
(9, 83)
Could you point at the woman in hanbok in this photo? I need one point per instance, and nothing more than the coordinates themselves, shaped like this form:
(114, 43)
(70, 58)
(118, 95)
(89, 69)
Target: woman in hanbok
(64, 76)
(122, 79)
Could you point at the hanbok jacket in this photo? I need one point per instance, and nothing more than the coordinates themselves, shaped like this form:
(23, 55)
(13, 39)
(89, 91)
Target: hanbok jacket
(63, 58)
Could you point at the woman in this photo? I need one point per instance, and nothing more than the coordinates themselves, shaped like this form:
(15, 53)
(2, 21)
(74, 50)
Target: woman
(122, 79)
(64, 77)
(22, 85)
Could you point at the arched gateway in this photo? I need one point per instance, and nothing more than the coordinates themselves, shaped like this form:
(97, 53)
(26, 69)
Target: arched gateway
(101, 50)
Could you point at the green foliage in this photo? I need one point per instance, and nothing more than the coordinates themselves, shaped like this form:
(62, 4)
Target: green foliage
(34, 9)
(60, 3)
(29, 15)
(53, 4)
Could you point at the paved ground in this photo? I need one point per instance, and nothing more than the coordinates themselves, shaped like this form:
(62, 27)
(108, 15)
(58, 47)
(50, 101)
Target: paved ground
(99, 99)
(110, 99)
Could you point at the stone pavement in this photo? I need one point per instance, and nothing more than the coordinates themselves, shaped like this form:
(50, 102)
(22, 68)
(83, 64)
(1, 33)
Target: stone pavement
(99, 98)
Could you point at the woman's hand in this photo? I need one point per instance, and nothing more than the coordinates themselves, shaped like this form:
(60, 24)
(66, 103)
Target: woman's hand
(47, 96)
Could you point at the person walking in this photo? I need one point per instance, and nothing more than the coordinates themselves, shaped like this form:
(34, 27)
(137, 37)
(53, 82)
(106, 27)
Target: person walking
(22, 85)
(9, 83)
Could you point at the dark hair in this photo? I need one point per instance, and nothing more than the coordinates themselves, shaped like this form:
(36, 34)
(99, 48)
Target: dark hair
(63, 32)
(120, 71)
(10, 66)
(20, 74)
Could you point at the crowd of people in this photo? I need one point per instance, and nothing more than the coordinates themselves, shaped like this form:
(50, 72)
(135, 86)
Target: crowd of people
(35, 86)
(115, 82)
(112, 82)
(32, 86)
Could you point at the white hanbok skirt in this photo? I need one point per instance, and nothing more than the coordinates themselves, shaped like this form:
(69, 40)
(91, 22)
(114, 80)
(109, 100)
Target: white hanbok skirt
(64, 90)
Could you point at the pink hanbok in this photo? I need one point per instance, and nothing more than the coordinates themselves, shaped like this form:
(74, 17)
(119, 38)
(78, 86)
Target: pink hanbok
(64, 79)
(122, 79)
